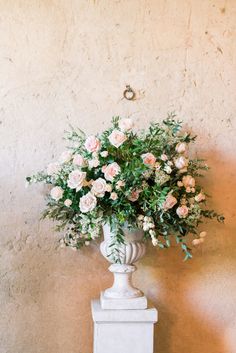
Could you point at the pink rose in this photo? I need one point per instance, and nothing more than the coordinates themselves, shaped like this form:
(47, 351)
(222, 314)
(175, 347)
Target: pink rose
(188, 181)
(78, 160)
(182, 211)
(181, 147)
(181, 162)
(117, 138)
(76, 179)
(65, 157)
(126, 124)
(92, 144)
(111, 171)
(134, 195)
(149, 159)
(93, 163)
(113, 196)
(99, 187)
(56, 193)
(169, 202)
(87, 202)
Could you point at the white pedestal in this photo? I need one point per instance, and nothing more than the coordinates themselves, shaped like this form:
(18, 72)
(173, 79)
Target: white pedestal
(123, 331)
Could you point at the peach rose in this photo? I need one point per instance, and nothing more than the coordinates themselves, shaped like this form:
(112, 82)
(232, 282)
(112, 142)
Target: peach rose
(200, 197)
(126, 124)
(111, 171)
(76, 179)
(134, 195)
(181, 162)
(182, 211)
(56, 193)
(92, 144)
(117, 138)
(169, 202)
(149, 159)
(79, 160)
(99, 187)
(113, 196)
(87, 202)
(188, 181)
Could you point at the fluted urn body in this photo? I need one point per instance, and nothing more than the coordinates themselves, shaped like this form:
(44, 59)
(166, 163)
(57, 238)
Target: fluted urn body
(128, 253)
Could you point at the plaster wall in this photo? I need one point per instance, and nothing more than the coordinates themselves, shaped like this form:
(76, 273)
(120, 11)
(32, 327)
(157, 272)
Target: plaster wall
(67, 62)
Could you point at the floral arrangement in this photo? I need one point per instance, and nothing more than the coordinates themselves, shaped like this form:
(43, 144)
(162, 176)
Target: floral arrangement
(126, 178)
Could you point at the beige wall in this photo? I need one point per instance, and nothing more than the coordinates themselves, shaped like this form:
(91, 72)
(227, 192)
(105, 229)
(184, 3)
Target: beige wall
(68, 61)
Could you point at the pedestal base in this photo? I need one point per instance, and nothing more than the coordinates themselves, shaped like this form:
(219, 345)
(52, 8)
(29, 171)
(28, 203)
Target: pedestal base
(125, 303)
(123, 331)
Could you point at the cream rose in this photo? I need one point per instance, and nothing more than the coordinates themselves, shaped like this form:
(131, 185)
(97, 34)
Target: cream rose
(99, 187)
(181, 147)
(57, 193)
(79, 160)
(182, 211)
(188, 181)
(169, 202)
(111, 170)
(76, 179)
(67, 202)
(149, 159)
(87, 202)
(181, 162)
(117, 138)
(126, 124)
(92, 144)
(53, 168)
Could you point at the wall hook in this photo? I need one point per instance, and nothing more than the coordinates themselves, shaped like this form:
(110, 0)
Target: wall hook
(129, 93)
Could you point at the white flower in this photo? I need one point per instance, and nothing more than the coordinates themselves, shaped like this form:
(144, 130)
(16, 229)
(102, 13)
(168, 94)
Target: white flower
(181, 162)
(197, 241)
(65, 157)
(79, 160)
(181, 147)
(200, 197)
(108, 187)
(167, 169)
(120, 184)
(99, 187)
(182, 211)
(87, 202)
(76, 179)
(188, 181)
(152, 233)
(53, 168)
(140, 217)
(93, 163)
(154, 242)
(113, 196)
(104, 154)
(111, 170)
(117, 138)
(164, 157)
(126, 124)
(202, 234)
(92, 144)
(87, 242)
(67, 202)
(169, 202)
(57, 193)
(179, 183)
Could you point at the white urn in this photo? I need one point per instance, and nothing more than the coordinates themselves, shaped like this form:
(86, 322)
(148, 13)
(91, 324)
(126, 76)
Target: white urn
(122, 294)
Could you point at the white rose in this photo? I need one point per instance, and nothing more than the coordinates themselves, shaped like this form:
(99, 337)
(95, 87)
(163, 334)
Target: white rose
(188, 182)
(181, 162)
(99, 187)
(182, 211)
(93, 163)
(104, 154)
(126, 124)
(53, 168)
(79, 160)
(57, 193)
(167, 169)
(65, 157)
(67, 202)
(87, 202)
(200, 197)
(154, 242)
(117, 138)
(111, 170)
(181, 147)
(76, 179)
(92, 144)
(113, 196)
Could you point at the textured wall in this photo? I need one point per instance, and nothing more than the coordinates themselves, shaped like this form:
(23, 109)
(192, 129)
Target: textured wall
(67, 61)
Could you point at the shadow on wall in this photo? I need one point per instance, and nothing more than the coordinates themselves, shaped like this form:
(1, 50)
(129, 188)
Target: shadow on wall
(195, 299)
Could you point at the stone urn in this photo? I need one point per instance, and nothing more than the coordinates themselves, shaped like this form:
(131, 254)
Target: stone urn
(122, 294)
